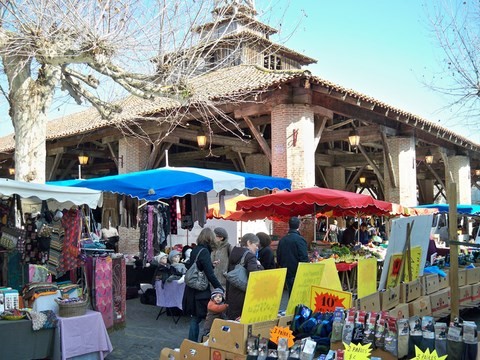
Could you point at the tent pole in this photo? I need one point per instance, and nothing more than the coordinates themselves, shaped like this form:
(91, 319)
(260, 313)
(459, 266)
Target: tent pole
(452, 235)
(166, 158)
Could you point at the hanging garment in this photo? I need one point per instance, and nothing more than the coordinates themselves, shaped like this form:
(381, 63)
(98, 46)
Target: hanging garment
(72, 223)
(55, 254)
(110, 210)
(119, 281)
(103, 289)
(173, 216)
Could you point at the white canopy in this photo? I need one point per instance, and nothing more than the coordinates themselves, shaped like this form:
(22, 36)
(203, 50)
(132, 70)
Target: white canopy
(62, 194)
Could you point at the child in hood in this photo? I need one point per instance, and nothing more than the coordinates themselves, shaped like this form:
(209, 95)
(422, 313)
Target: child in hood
(217, 308)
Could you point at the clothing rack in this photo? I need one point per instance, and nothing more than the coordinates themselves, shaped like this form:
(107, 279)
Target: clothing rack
(102, 250)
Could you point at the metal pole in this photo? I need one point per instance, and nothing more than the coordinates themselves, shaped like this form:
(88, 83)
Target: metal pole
(79, 172)
(452, 235)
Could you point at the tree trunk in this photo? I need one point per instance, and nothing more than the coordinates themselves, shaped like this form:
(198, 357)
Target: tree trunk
(30, 145)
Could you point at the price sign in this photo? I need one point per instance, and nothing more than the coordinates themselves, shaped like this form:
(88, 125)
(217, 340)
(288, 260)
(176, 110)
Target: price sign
(282, 332)
(427, 355)
(357, 351)
(326, 300)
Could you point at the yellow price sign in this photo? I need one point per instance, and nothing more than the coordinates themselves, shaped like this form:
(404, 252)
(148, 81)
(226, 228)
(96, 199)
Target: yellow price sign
(326, 300)
(282, 332)
(357, 351)
(427, 355)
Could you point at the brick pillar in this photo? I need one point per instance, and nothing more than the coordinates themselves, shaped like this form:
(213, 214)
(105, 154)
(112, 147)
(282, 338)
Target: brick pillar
(459, 167)
(402, 150)
(427, 186)
(335, 177)
(293, 152)
(257, 164)
(135, 155)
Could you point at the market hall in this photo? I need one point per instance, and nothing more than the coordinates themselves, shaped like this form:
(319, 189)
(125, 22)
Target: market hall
(303, 128)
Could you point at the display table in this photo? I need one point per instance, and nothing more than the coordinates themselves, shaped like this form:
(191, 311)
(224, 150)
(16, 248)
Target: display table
(170, 295)
(19, 341)
(82, 337)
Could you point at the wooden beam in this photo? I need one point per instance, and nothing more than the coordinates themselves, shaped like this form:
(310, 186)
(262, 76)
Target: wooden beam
(319, 126)
(324, 160)
(367, 134)
(260, 139)
(53, 170)
(351, 184)
(191, 135)
(435, 174)
(241, 162)
(252, 110)
(198, 154)
(56, 151)
(322, 177)
(388, 160)
(113, 155)
(375, 169)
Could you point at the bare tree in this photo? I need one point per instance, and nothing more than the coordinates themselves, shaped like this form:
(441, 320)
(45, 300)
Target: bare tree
(52, 46)
(456, 28)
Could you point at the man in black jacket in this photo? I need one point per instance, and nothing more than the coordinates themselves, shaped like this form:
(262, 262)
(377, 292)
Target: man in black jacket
(292, 249)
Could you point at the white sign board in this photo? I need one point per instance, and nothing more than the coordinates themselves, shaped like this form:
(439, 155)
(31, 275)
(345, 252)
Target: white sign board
(419, 236)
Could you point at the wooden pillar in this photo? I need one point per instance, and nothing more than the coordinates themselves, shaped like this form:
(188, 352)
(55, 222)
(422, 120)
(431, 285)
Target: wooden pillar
(452, 226)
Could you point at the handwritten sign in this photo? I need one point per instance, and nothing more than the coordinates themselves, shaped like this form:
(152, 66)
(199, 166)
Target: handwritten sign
(330, 278)
(308, 274)
(326, 300)
(427, 355)
(393, 276)
(357, 351)
(282, 332)
(367, 277)
(263, 296)
(416, 259)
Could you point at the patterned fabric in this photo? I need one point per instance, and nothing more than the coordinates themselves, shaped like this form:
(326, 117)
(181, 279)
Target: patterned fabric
(72, 223)
(103, 289)
(55, 256)
(119, 281)
(45, 319)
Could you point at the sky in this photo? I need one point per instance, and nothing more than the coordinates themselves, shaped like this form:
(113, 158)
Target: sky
(380, 48)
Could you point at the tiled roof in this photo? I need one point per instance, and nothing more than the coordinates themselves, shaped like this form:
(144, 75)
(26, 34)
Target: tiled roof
(224, 83)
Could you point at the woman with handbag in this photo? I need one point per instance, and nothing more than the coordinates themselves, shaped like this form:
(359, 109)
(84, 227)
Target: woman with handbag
(247, 252)
(195, 301)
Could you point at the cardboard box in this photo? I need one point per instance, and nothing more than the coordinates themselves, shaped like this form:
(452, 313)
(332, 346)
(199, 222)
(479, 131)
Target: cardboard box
(440, 303)
(370, 303)
(390, 298)
(217, 354)
(401, 311)
(473, 276)
(169, 354)
(462, 277)
(193, 350)
(443, 282)
(429, 284)
(232, 336)
(465, 294)
(420, 306)
(410, 291)
(285, 321)
(476, 293)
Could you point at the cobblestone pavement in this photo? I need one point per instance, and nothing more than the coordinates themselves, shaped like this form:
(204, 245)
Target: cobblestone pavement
(143, 337)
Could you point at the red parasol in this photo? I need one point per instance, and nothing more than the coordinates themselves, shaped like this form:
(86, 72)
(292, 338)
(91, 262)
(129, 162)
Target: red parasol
(285, 204)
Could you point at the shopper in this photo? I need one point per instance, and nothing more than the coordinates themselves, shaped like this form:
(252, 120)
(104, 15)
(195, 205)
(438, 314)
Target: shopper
(348, 237)
(292, 249)
(235, 297)
(265, 254)
(363, 235)
(195, 301)
(217, 309)
(220, 253)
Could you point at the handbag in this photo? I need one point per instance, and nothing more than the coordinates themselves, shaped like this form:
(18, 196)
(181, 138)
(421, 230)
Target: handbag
(195, 278)
(238, 277)
(12, 238)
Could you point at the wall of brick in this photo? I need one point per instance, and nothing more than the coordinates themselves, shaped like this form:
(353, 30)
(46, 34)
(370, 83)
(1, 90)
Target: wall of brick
(402, 151)
(335, 177)
(257, 164)
(293, 152)
(459, 166)
(135, 154)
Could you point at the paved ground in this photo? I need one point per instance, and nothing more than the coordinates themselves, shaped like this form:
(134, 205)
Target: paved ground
(143, 337)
